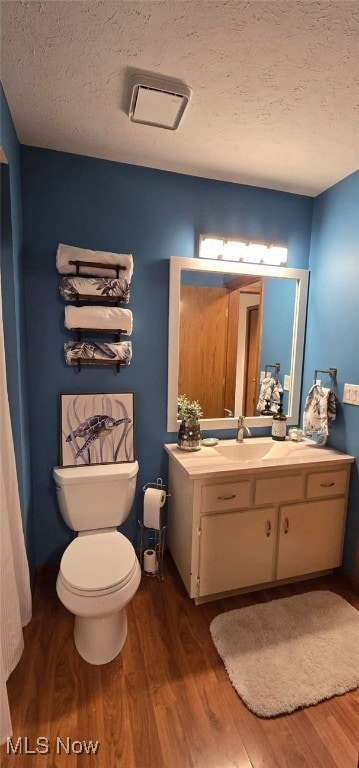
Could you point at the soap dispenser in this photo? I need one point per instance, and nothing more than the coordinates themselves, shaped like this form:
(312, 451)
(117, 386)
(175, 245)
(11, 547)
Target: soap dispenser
(266, 411)
(279, 423)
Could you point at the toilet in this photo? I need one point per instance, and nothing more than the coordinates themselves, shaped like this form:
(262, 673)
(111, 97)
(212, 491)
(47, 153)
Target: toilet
(99, 571)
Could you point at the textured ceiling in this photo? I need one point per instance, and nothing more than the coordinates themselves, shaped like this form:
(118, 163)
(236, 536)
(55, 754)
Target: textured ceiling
(275, 84)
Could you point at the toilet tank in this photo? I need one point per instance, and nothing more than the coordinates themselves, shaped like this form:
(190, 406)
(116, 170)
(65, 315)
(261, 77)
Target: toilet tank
(98, 496)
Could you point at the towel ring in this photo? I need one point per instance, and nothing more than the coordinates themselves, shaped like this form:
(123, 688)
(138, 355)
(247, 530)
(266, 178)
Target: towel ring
(276, 367)
(332, 372)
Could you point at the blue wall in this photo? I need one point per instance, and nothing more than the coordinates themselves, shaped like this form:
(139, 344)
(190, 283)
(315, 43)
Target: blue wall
(13, 316)
(153, 214)
(333, 320)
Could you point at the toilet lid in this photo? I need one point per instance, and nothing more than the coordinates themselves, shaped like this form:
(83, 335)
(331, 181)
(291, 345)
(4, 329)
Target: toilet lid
(97, 562)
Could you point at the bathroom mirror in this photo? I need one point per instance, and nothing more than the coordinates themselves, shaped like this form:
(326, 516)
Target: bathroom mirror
(229, 323)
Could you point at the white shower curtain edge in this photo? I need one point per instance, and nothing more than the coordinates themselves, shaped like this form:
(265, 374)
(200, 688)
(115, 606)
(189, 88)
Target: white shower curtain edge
(15, 593)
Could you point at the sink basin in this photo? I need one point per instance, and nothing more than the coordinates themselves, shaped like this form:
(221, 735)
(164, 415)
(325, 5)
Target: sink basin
(287, 448)
(245, 451)
(255, 449)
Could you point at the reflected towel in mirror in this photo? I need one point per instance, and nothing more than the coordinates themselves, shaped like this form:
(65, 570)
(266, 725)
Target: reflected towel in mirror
(271, 389)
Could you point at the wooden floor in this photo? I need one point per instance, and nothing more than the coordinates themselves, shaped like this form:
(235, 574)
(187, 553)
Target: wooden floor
(166, 701)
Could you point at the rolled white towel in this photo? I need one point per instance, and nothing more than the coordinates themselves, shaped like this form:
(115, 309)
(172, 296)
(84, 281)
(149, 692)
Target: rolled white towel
(67, 253)
(99, 318)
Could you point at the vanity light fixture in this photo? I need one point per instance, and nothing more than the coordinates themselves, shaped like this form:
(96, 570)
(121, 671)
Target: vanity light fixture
(230, 249)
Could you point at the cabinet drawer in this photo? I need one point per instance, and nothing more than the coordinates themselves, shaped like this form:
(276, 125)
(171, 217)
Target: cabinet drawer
(226, 496)
(274, 489)
(326, 483)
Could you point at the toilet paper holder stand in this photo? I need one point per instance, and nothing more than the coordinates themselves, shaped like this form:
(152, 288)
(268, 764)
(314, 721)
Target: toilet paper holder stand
(155, 538)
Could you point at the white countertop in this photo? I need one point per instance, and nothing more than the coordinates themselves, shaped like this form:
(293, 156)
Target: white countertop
(282, 454)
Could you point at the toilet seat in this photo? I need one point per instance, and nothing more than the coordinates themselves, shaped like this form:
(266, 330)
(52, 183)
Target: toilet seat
(98, 564)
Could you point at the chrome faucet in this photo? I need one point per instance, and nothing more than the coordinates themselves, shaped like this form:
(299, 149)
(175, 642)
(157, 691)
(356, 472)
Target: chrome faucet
(242, 430)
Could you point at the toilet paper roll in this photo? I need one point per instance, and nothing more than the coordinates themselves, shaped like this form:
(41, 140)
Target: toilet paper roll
(153, 503)
(150, 564)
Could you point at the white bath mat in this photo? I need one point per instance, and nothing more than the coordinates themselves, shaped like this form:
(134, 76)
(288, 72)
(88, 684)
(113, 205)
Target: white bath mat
(290, 653)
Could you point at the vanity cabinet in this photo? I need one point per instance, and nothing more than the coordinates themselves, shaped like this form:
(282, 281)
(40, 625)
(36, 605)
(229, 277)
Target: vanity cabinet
(257, 528)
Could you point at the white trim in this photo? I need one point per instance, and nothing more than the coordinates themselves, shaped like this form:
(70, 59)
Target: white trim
(246, 300)
(179, 263)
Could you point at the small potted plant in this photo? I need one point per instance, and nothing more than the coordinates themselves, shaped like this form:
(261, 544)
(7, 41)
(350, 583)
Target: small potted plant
(189, 412)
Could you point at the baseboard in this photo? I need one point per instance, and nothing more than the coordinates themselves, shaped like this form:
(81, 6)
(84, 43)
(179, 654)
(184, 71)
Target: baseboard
(258, 587)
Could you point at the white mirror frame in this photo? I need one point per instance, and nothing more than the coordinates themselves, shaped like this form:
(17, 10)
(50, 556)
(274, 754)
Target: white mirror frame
(179, 263)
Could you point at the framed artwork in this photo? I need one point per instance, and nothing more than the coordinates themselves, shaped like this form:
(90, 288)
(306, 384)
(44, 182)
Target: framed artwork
(96, 428)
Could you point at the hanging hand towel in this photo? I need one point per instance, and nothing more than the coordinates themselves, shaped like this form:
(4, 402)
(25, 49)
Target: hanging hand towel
(67, 253)
(89, 351)
(99, 318)
(319, 410)
(109, 288)
(271, 390)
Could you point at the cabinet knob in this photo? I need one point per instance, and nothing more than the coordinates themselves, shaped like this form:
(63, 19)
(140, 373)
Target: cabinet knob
(286, 525)
(226, 498)
(268, 528)
(327, 485)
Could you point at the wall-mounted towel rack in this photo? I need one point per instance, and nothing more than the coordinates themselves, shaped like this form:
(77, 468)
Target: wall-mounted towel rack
(116, 337)
(332, 373)
(78, 263)
(98, 264)
(276, 367)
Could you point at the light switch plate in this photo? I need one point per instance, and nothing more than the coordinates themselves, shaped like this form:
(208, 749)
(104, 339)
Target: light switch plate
(287, 382)
(351, 394)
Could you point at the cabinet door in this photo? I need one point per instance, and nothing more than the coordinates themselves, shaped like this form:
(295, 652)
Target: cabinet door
(237, 549)
(310, 537)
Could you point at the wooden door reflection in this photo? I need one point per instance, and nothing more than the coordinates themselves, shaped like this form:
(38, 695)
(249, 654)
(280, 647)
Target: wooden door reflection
(203, 347)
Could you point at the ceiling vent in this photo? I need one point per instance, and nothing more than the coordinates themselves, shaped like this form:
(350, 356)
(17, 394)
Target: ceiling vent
(159, 102)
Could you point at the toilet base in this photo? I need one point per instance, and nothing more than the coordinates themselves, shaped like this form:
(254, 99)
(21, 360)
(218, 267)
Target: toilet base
(99, 640)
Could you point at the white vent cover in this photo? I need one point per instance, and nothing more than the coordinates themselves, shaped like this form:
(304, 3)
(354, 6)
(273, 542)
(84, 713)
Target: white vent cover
(159, 102)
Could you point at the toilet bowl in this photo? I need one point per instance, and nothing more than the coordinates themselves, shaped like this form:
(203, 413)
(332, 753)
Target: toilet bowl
(99, 574)
(99, 571)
